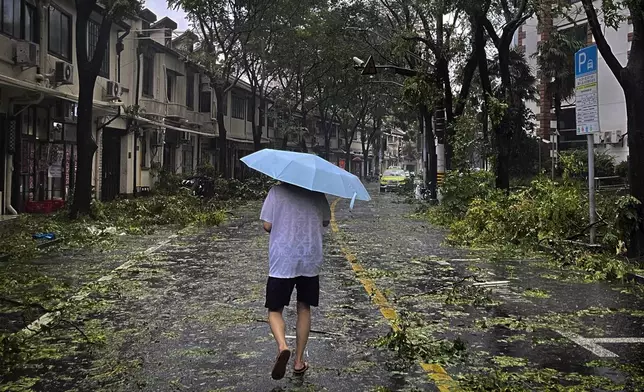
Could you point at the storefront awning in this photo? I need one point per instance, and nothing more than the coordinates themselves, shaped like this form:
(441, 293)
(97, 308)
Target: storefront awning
(163, 125)
(12, 82)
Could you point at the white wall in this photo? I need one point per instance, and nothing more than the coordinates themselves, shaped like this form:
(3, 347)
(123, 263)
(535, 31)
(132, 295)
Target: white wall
(612, 105)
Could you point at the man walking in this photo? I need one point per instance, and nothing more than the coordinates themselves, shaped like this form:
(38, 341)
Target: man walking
(295, 218)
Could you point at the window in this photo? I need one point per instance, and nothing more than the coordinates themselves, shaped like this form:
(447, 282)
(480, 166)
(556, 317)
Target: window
(31, 22)
(169, 87)
(205, 101)
(239, 106)
(11, 17)
(60, 33)
(190, 90)
(148, 74)
(93, 29)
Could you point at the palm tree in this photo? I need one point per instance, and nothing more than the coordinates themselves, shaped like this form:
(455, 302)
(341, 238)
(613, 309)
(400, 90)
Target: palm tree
(556, 63)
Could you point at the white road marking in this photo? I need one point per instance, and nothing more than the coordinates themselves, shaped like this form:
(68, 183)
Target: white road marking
(310, 337)
(588, 344)
(491, 284)
(442, 262)
(617, 340)
(465, 260)
(50, 317)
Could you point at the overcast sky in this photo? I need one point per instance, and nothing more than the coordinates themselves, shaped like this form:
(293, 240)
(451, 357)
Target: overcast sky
(160, 8)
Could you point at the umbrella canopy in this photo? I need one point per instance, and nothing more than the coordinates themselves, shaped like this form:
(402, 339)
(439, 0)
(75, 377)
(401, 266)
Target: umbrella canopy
(307, 171)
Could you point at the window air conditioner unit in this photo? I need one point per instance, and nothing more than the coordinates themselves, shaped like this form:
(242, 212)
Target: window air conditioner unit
(26, 53)
(608, 137)
(597, 138)
(617, 137)
(64, 73)
(113, 90)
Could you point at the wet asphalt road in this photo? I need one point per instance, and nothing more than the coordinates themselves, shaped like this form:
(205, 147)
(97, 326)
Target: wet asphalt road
(189, 316)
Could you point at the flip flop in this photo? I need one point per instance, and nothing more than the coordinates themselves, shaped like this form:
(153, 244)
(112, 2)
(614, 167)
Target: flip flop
(299, 372)
(279, 369)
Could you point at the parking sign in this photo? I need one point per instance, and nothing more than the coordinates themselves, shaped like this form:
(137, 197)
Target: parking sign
(587, 98)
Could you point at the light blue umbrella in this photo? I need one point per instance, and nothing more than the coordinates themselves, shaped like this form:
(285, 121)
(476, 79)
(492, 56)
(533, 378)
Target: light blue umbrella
(307, 171)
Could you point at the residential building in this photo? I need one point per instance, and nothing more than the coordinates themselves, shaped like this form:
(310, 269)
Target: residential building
(38, 96)
(175, 124)
(392, 155)
(612, 107)
(153, 109)
(239, 127)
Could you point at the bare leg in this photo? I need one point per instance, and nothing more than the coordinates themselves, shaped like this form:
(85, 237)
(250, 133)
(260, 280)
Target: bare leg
(278, 327)
(303, 329)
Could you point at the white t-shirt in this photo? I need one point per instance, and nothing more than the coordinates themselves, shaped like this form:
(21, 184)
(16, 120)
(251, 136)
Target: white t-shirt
(295, 245)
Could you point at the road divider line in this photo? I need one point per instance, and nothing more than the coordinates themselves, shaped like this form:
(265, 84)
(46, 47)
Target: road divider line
(436, 372)
(49, 317)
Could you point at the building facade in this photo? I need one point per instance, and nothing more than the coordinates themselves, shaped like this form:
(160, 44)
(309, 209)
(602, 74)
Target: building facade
(612, 104)
(153, 109)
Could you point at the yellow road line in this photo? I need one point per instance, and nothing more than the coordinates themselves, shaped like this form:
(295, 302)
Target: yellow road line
(436, 372)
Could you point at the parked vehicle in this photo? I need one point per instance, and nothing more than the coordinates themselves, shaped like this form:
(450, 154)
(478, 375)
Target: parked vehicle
(392, 179)
(201, 186)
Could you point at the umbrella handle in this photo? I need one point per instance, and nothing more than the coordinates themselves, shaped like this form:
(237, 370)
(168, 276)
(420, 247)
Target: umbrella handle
(353, 201)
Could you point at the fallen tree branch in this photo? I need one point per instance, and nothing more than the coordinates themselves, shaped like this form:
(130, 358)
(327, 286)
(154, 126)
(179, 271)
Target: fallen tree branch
(601, 222)
(24, 304)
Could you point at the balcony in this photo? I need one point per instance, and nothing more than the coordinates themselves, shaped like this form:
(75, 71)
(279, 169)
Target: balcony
(152, 107)
(198, 118)
(176, 110)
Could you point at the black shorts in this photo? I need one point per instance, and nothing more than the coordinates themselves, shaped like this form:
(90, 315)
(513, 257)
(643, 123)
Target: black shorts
(278, 291)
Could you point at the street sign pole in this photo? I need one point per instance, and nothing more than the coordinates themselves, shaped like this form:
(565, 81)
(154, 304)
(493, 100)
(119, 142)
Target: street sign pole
(591, 186)
(587, 113)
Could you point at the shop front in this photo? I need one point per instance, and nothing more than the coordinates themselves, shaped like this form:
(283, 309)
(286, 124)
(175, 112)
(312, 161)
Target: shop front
(45, 160)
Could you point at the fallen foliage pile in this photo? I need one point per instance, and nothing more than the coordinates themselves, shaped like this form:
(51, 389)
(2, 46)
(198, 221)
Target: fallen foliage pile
(545, 216)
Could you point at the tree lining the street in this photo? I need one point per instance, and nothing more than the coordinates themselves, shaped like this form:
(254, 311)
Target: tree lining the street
(221, 26)
(89, 64)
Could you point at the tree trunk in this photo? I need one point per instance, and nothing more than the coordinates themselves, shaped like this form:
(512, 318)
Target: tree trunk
(223, 145)
(502, 167)
(257, 130)
(432, 158)
(447, 115)
(635, 118)
(365, 161)
(86, 147)
(377, 148)
(504, 130)
(327, 140)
